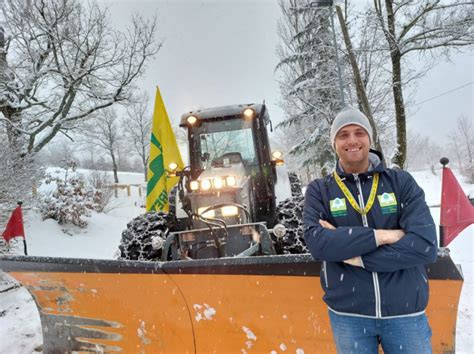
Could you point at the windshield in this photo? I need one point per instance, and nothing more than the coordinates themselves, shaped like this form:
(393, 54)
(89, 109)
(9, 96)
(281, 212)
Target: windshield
(224, 143)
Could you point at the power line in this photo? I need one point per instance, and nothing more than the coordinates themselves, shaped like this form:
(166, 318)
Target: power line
(444, 93)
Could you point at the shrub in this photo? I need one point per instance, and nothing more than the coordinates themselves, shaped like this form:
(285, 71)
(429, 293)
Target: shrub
(72, 199)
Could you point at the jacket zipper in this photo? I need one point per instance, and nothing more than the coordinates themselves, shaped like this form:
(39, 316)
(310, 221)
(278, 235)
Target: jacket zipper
(375, 276)
(325, 274)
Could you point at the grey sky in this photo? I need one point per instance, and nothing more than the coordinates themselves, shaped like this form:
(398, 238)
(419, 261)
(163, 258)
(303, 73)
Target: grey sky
(224, 52)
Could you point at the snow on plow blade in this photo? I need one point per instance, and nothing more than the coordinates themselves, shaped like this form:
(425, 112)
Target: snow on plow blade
(254, 304)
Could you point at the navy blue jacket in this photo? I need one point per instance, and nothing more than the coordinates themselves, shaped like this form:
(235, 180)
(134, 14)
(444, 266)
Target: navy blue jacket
(393, 280)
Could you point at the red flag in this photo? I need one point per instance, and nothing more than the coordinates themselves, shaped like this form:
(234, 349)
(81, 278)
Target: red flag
(457, 212)
(15, 225)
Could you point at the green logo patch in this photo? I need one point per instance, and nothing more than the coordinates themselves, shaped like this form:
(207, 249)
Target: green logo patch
(388, 203)
(338, 207)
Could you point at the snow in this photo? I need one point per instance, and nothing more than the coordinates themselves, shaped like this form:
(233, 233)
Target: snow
(20, 330)
(207, 314)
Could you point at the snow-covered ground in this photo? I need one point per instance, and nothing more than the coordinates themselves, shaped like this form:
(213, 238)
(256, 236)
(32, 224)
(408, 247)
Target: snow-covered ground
(20, 330)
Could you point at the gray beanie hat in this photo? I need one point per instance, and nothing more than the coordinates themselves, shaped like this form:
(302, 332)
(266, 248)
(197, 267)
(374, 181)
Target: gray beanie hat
(349, 116)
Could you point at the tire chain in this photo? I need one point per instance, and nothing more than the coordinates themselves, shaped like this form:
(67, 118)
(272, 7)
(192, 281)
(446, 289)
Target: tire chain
(137, 237)
(290, 214)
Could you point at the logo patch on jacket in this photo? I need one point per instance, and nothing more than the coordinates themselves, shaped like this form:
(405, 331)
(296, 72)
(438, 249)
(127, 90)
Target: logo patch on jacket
(388, 203)
(338, 207)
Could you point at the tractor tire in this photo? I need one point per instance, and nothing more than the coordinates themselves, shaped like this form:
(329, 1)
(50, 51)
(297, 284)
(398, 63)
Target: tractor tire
(136, 242)
(295, 184)
(290, 214)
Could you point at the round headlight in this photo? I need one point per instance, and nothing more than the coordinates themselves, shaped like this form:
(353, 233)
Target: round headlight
(191, 120)
(205, 185)
(194, 185)
(248, 113)
(276, 155)
(218, 182)
(231, 181)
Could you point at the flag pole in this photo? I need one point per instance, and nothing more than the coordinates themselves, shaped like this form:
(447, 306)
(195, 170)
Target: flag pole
(20, 203)
(444, 161)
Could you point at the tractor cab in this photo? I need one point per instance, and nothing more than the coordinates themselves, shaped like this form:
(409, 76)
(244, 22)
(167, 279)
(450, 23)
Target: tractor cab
(230, 162)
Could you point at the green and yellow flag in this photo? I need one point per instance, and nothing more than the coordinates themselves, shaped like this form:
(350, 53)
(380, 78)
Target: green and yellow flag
(163, 151)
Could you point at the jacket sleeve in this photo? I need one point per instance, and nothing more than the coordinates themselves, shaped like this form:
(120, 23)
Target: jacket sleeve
(419, 245)
(332, 245)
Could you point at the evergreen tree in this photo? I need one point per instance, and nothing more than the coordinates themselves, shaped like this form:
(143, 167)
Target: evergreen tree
(308, 80)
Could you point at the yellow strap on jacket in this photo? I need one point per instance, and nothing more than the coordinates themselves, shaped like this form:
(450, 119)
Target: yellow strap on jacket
(350, 197)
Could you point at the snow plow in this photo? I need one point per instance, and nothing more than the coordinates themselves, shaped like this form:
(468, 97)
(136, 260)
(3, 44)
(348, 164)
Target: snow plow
(223, 271)
(231, 304)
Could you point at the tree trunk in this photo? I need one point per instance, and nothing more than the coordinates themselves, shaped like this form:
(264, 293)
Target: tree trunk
(114, 167)
(360, 88)
(400, 117)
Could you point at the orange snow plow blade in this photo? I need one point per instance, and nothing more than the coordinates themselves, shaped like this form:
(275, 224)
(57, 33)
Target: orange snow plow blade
(254, 304)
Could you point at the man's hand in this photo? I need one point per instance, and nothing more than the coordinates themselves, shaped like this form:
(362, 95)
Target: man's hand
(387, 237)
(356, 261)
(326, 225)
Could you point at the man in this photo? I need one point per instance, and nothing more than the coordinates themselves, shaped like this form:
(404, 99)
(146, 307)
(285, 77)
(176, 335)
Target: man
(372, 229)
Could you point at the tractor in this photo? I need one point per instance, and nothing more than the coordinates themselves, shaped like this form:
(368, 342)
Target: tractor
(234, 199)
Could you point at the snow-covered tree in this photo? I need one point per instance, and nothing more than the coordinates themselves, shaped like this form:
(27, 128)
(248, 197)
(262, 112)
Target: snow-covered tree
(427, 27)
(104, 132)
(18, 176)
(365, 38)
(138, 128)
(462, 143)
(308, 79)
(61, 61)
(422, 152)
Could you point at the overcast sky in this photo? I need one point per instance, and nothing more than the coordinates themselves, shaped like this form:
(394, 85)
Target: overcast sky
(224, 52)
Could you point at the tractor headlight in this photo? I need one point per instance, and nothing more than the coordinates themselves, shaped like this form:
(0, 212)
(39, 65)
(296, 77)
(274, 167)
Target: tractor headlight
(205, 184)
(231, 181)
(229, 210)
(248, 113)
(277, 157)
(191, 120)
(207, 214)
(173, 166)
(194, 185)
(218, 183)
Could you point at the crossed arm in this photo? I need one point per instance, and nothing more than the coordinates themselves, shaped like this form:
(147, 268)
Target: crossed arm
(413, 243)
(382, 237)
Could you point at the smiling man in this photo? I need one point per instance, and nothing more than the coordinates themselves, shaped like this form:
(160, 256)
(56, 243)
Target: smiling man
(372, 230)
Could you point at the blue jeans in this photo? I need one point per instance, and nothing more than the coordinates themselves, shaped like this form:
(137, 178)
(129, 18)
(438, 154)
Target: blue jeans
(396, 335)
